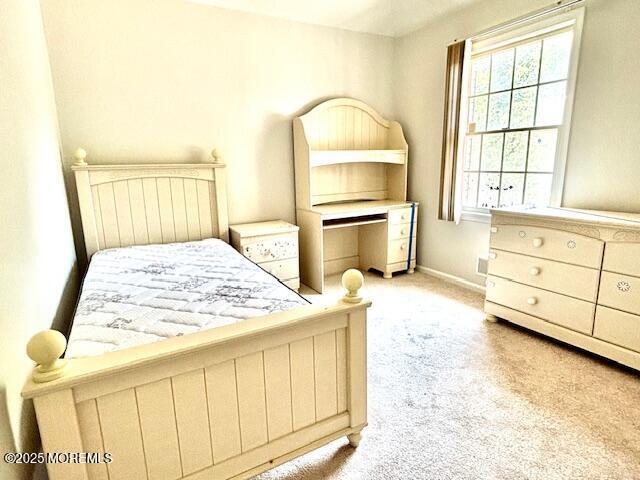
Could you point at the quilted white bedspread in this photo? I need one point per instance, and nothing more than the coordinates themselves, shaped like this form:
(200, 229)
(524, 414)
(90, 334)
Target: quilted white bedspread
(143, 294)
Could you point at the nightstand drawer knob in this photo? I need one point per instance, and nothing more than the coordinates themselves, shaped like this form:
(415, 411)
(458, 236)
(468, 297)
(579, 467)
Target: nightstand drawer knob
(532, 300)
(494, 229)
(403, 231)
(403, 216)
(537, 242)
(493, 255)
(534, 271)
(403, 246)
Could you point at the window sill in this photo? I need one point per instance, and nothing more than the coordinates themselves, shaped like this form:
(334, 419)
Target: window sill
(477, 217)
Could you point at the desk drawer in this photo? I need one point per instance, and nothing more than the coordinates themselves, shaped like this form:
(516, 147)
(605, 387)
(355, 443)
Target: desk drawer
(398, 250)
(617, 327)
(553, 307)
(401, 215)
(274, 247)
(401, 230)
(283, 269)
(548, 243)
(622, 258)
(572, 280)
(620, 291)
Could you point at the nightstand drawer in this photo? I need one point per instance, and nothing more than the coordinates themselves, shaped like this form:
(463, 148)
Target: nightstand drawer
(275, 247)
(398, 250)
(294, 283)
(572, 280)
(553, 307)
(620, 291)
(548, 243)
(283, 269)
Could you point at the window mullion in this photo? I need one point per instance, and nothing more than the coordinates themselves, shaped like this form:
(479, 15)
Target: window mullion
(501, 167)
(535, 115)
(535, 105)
(526, 167)
(479, 173)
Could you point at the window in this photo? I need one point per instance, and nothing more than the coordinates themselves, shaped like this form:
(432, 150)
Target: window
(518, 91)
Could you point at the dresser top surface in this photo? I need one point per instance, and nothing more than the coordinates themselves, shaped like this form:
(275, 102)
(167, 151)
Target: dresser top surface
(574, 215)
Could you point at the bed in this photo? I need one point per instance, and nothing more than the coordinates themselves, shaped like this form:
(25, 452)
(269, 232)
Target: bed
(185, 359)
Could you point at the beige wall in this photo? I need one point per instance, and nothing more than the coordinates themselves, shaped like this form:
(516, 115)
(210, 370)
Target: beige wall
(603, 170)
(166, 80)
(37, 279)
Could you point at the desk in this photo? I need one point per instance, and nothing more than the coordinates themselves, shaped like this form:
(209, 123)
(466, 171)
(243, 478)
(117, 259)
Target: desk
(379, 234)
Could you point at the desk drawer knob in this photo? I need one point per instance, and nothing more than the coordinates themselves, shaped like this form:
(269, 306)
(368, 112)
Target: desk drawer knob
(532, 300)
(534, 271)
(537, 242)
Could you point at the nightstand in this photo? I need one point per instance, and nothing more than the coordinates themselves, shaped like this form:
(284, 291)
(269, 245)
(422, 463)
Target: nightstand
(272, 245)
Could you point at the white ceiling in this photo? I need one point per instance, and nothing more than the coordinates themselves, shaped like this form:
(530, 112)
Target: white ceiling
(384, 17)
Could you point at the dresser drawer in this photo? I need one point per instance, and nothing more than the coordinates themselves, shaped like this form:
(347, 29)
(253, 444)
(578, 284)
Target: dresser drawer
(572, 280)
(401, 215)
(617, 327)
(622, 258)
(398, 250)
(283, 269)
(275, 247)
(620, 291)
(553, 307)
(548, 243)
(401, 230)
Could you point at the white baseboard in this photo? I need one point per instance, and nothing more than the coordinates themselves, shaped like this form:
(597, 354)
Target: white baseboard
(447, 277)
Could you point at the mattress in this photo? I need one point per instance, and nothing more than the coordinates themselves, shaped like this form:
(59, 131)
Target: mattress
(142, 294)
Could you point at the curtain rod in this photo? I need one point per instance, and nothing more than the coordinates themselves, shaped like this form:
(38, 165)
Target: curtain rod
(560, 5)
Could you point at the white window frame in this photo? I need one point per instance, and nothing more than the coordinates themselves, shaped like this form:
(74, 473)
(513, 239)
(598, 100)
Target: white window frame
(574, 17)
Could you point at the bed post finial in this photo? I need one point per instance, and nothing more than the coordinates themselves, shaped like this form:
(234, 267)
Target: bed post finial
(352, 280)
(80, 154)
(46, 348)
(215, 155)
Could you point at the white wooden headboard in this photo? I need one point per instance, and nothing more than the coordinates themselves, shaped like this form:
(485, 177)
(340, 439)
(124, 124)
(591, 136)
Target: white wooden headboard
(124, 205)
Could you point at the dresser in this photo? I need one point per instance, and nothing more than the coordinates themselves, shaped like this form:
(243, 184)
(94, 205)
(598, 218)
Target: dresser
(272, 245)
(571, 274)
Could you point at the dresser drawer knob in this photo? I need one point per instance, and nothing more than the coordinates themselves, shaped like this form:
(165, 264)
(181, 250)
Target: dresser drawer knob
(532, 300)
(537, 242)
(403, 231)
(403, 246)
(403, 216)
(534, 271)
(493, 255)
(494, 229)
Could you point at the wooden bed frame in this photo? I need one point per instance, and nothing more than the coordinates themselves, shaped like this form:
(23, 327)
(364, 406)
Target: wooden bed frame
(229, 402)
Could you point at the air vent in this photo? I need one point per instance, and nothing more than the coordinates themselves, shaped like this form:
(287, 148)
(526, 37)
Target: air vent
(482, 267)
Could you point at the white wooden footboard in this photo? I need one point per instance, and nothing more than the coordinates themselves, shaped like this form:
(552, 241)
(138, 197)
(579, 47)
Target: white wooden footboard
(224, 403)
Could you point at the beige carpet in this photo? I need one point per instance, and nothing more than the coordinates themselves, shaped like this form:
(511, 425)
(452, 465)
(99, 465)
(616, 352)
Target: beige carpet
(454, 397)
